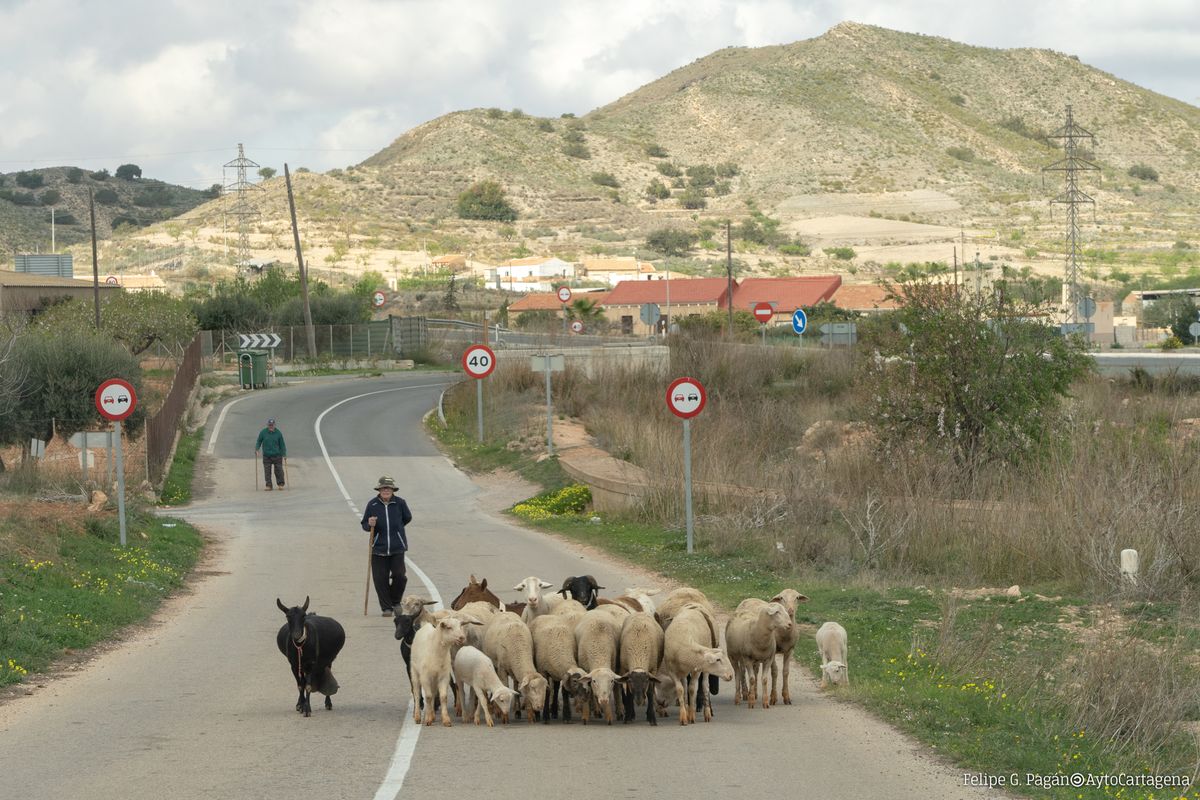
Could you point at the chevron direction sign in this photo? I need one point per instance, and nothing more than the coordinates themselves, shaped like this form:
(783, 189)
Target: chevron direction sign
(258, 340)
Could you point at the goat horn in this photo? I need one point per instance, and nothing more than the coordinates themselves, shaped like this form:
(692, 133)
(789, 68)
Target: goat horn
(305, 603)
(567, 584)
(282, 607)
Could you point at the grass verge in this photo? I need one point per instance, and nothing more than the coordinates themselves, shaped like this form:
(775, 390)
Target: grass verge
(66, 583)
(177, 488)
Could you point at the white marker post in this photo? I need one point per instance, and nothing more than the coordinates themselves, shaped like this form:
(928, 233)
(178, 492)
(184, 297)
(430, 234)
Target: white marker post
(686, 398)
(479, 361)
(116, 400)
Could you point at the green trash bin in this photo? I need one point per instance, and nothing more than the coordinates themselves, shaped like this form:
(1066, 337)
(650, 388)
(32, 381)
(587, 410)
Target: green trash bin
(252, 368)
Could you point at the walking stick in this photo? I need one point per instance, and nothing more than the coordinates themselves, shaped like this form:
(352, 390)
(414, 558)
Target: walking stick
(285, 475)
(255, 465)
(367, 590)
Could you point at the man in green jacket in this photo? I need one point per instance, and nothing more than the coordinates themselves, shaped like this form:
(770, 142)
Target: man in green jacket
(270, 441)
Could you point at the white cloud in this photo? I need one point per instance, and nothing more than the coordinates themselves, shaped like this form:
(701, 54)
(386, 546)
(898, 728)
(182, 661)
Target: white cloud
(135, 80)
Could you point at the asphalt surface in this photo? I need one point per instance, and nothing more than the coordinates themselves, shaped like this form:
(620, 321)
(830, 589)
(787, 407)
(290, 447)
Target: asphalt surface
(200, 704)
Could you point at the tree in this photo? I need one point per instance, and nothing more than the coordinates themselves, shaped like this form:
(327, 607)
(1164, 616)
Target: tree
(671, 241)
(129, 172)
(61, 371)
(266, 173)
(976, 375)
(30, 180)
(50, 197)
(99, 175)
(136, 320)
(589, 312)
(450, 299)
(485, 200)
(1176, 312)
(107, 197)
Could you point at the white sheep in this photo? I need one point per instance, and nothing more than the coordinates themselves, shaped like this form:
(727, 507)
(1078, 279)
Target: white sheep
(508, 642)
(476, 678)
(687, 658)
(431, 664)
(597, 640)
(554, 657)
(641, 649)
(643, 595)
(831, 644)
(785, 644)
(677, 599)
(571, 610)
(750, 639)
(482, 611)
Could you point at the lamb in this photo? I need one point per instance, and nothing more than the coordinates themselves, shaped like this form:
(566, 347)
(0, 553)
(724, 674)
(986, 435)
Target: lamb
(411, 615)
(597, 639)
(831, 644)
(476, 677)
(686, 657)
(431, 664)
(508, 642)
(641, 649)
(554, 657)
(785, 644)
(672, 604)
(750, 639)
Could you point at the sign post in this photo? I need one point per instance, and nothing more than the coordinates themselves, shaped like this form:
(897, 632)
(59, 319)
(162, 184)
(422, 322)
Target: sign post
(479, 361)
(564, 297)
(799, 324)
(116, 400)
(547, 364)
(686, 398)
(763, 313)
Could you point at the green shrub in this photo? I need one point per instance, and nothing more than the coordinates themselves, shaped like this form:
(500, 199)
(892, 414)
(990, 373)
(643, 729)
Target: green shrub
(485, 200)
(30, 180)
(545, 125)
(668, 169)
(841, 253)
(1171, 343)
(958, 100)
(573, 499)
(727, 169)
(657, 190)
(107, 197)
(577, 150)
(494, 113)
(692, 198)
(961, 153)
(701, 176)
(656, 151)
(1143, 172)
(605, 179)
(50, 197)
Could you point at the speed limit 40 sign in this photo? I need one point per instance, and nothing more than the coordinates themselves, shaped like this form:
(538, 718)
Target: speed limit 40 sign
(478, 361)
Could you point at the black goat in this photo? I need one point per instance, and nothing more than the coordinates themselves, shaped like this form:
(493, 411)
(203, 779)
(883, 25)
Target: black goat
(584, 589)
(310, 643)
(637, 686)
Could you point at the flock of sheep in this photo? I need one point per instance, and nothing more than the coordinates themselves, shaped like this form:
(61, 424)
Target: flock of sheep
(601, 657)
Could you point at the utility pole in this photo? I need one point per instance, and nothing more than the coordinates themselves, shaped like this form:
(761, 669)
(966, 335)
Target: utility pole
(729, 275)
(310, 333)
(1071, 135)
(242, 208)
(95, 260)
(53, 241)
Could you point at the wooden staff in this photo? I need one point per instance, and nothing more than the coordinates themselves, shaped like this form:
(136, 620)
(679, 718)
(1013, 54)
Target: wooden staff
(367, 591)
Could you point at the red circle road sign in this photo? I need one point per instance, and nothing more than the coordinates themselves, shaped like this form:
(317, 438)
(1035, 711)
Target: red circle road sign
(564, 294)
(686, 397)
(763, 312)
(111, 280)
(577, 326)
(478, 361)
(378, 299)
(115, 399)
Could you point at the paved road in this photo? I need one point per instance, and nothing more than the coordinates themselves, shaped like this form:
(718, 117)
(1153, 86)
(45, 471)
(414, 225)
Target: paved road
(200, 704)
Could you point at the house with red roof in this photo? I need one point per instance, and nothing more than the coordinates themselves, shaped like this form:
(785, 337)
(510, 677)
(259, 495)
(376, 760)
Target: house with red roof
(864, 298)
(674, 299)
(548, 301)
(784, 294)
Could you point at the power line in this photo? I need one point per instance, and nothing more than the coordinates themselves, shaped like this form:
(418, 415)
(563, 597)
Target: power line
(1071, 135)
(242, 208)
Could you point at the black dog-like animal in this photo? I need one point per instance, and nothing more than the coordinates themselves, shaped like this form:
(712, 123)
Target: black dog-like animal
(310, 643)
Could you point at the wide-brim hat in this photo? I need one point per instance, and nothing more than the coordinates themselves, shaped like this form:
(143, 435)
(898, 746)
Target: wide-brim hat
(385, 482)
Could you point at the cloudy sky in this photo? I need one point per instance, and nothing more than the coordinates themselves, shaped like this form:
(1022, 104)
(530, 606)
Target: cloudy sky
(174, 85)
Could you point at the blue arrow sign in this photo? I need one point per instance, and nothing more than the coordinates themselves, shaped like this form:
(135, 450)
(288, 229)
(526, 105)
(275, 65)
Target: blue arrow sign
(799, 321)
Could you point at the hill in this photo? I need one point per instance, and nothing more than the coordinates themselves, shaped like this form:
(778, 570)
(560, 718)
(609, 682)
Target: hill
(26, 199)
(859, 123)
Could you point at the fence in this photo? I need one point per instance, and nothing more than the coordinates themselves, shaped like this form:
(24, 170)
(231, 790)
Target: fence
(162, 427)
(388, 338)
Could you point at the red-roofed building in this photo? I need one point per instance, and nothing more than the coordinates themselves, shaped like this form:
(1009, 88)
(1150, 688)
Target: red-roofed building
(784, 294)
(864, 298)
(548, 301)
(686, 298)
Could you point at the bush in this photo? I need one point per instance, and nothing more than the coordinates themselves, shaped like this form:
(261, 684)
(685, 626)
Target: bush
(692, 198)
(153, 197)
(958, 100)
(656, 151)
(494, 113)
(671, 241)
(961, 153)
(572, 499)
(129, 172)
(107, 197)
(50, 197)
(657, 190)
(30, 180)
(485, 200)
(668, 169)
(727, 169)
(701, 176)
(74, 175)
(577, 150)
(1143, 172)
(517, 113)
(1172, 343)
(99, 175)
(545, 125)
(841, 253)
(605, 179)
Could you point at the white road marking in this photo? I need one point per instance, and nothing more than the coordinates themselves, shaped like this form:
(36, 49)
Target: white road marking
(410, 731)
(212, 440)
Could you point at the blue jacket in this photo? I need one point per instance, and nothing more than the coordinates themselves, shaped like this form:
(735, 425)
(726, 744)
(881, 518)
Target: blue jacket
(389, 525)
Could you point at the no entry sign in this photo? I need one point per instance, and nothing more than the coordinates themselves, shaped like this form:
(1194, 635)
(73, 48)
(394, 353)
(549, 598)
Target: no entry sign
(115, 399)
(763, 312)
(686, 397)
(478, 361)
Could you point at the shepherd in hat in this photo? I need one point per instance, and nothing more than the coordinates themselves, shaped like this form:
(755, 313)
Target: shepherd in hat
(274, 451)
(385, 518)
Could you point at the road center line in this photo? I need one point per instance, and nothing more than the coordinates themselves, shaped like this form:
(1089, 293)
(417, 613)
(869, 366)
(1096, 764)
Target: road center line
(410, 731)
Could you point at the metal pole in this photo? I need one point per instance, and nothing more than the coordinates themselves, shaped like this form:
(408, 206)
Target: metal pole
(95, 259)
(729, 277)
(479, 407)
(687, 480)
(309, 331)
(83, 458)
(120, 480)
(764, 327)
(549, 408)
(108, 465)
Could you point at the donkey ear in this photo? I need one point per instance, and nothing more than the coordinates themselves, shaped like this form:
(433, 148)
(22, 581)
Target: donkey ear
(482, 583)
(282, 607)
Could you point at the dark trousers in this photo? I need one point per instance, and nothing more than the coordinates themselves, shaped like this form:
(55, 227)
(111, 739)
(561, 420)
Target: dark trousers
(277, 462)
(389, 577)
